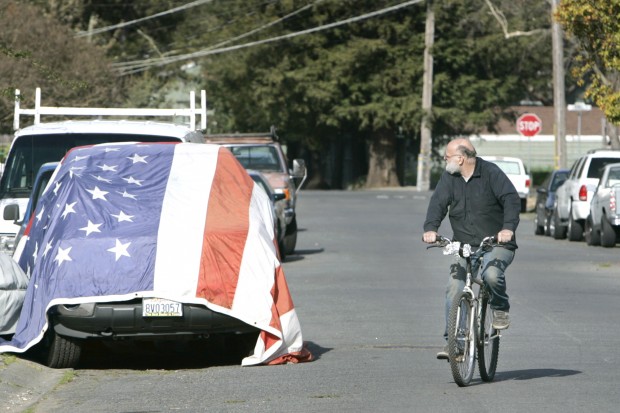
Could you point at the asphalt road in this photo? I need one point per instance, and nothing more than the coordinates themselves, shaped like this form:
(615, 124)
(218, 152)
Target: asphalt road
(370, 300)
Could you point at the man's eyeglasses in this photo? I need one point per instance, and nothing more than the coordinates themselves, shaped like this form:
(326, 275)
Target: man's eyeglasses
(446, 157)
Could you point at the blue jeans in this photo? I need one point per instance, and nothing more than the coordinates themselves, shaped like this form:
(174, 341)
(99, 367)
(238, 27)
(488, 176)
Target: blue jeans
(493, 265)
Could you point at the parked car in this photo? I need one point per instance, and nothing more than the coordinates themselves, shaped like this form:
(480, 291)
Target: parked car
(278, 209)
(574, 196)
(603, 222)
(545, 200)
(148, 241)
(516, 172)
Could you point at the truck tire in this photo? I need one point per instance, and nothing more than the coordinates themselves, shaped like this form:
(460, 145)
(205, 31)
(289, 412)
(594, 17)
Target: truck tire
(608, 235)
(62, 352)
(575, 228)
(290, 238)
(556, 229)
(593, 237)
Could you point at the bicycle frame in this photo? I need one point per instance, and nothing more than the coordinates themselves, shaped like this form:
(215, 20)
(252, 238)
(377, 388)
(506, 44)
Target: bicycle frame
(472, 340)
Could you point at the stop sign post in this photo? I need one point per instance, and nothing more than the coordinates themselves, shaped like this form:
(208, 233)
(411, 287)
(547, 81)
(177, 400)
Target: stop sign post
(529, 124)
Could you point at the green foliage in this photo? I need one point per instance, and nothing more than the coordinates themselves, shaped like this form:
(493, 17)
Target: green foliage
(596, 28)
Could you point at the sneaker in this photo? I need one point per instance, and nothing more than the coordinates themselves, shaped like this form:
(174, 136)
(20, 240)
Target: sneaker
(501, 320)
(443, 354)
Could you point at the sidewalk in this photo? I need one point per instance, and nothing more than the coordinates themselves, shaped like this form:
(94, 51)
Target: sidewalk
(23, 383)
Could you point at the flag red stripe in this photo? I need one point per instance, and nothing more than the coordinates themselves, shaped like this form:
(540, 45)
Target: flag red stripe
(222, 250)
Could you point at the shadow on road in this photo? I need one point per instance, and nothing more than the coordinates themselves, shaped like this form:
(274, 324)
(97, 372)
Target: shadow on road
(533, 374)
(299, 255)
(316, 350)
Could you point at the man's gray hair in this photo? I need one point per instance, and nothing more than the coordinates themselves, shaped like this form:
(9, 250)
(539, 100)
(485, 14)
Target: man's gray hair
(467, 152)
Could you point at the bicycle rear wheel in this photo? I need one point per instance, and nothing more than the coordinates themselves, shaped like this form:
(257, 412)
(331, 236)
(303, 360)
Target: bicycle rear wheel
(488, 341)
(461, 339)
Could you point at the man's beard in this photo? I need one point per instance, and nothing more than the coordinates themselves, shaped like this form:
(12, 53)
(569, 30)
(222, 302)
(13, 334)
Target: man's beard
(453, 168)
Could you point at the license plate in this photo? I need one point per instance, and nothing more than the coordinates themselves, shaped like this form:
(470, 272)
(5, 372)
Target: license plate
(159, 307)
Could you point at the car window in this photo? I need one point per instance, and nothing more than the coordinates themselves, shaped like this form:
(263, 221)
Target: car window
(575, 167)
(30, 152)
(595, 170)
(509, 168)
(580, 167)
(558, 179)
(262, 158)
(614, 177)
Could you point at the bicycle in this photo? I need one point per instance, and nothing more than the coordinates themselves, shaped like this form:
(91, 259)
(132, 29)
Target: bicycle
(470, 323)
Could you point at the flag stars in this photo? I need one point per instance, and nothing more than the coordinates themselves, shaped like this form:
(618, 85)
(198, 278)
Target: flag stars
(90, 228)
(68, 210)
(63, 255)
(132, 180)
(79, 158)
(105, 167)
(120, 249)
(102, 179)
(123, 217)
(126, 194)
(137, 158)
(57, 186)
(98, 193)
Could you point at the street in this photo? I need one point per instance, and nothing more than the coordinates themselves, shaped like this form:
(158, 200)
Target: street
(369, 296)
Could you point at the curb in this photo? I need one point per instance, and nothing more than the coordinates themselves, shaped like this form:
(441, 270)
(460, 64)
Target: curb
(23, 383)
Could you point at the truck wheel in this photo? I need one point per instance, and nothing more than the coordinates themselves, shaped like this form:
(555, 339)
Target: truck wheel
(593, 237)
(539, 228)
(290, 239)
(575, 228)
(556, 229)
(608, 235)
(62, 352)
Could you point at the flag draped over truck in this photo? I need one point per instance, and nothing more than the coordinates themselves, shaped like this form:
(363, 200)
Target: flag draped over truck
(182, 222)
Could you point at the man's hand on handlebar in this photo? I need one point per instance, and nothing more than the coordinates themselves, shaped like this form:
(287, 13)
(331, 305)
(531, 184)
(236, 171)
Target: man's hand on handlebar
(430, 237)
(504, 236)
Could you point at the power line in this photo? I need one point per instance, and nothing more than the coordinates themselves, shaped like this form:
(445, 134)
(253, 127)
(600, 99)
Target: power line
(129, 23)
(207, 52)
(136, 64)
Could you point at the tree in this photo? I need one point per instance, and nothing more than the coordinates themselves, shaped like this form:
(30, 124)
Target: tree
(595, 27)
(36, 51)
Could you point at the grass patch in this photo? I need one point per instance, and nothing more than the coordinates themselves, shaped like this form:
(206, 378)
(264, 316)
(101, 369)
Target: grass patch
(67, 377)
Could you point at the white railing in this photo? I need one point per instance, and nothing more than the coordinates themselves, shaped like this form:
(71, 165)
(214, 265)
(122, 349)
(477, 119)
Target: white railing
(39, 110)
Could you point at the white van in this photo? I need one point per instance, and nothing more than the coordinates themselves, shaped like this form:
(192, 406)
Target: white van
(37, 144)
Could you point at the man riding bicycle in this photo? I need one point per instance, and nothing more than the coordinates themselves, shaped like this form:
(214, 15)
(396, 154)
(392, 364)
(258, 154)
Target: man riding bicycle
(480, 201)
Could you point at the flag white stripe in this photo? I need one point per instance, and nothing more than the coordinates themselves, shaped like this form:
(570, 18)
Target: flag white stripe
(183, 217)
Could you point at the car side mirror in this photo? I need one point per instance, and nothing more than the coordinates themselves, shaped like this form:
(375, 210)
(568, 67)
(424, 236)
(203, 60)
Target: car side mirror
(299, 168)
(11, 212)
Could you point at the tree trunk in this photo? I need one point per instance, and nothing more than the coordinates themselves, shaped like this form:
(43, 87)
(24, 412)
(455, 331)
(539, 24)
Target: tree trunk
(613, 136)
(382, 162)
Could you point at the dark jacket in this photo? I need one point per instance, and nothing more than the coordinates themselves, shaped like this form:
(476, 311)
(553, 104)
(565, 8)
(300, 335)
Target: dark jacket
(480, 207)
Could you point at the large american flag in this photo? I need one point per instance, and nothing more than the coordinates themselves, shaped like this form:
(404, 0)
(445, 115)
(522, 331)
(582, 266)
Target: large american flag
(177, 221)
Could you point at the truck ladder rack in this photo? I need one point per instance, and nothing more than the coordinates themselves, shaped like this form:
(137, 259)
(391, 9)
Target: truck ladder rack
(39, 110)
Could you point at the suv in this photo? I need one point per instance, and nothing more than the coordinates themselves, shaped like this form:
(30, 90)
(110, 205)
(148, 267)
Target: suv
(262, 152)
(515, 171)
(37, 144)
(572, 205)
(603, 223)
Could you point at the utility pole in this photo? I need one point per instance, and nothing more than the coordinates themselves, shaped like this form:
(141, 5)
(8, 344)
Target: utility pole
(559, 98)
(426, 140)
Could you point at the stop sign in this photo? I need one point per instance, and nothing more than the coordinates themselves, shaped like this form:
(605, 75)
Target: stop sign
(529, 124)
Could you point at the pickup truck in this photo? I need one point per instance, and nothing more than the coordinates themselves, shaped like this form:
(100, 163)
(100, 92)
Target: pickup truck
(43, 142)
(262, 152)
(515, 171)
(603, 222)
(574, 196)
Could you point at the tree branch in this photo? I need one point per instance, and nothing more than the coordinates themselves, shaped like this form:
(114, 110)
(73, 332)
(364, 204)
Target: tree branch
(501, 19)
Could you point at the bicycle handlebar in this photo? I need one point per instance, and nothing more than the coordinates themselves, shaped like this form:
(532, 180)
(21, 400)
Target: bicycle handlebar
(490, 241)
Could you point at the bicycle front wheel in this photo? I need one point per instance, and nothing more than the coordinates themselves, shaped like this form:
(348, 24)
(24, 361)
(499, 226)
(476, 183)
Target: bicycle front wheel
(488, 341)
(462, 339)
